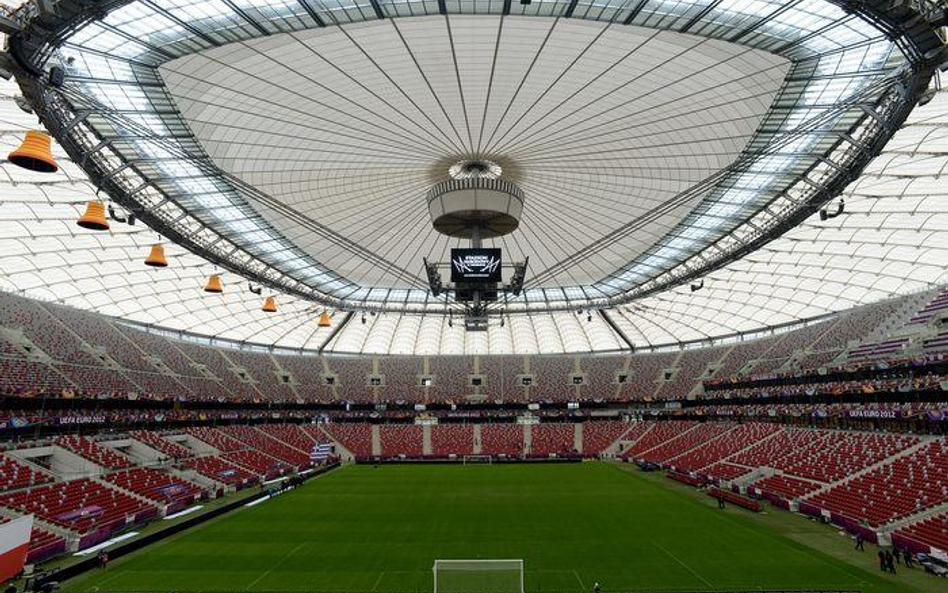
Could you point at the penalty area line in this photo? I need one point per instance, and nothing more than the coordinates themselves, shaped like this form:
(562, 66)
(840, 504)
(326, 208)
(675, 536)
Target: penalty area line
(582, 585)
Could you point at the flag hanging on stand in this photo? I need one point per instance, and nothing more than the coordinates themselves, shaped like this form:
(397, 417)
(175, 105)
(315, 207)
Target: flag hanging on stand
(320, 452)
(14, 544)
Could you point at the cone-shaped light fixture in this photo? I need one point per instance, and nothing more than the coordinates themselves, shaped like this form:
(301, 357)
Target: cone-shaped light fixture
(269, 305)
(156, 258)
(214, 284)
(325, 320)
(94, 217)
(34, 154)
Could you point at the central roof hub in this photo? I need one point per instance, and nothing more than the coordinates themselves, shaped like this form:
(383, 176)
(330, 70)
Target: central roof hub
(480, 168)
(473, 199)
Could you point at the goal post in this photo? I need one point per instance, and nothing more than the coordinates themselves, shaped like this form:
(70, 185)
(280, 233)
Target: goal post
(477, 459)
(478, 576)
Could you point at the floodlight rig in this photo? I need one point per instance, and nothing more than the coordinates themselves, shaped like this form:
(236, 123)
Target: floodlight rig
(475, 203)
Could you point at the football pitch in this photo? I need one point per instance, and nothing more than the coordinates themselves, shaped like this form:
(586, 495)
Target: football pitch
(366, 529)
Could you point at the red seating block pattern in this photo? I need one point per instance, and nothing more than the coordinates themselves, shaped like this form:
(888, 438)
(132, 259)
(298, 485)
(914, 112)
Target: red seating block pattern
(154, 484)
(552, 438)
(786, 487)
(905, 486)
(661, 433)
(156, 441)
(452, 439)
(723, 446)
(357, 438)
(256, 438)
(94, 452)
(216, 438)
(932, 531)
(218, 469)
(598, 436)
(502, 439)
(685, 441)
(14, 475)
(94, 504)
(401, 439)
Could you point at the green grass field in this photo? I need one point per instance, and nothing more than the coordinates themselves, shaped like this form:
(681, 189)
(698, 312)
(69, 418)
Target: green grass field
(362, 529)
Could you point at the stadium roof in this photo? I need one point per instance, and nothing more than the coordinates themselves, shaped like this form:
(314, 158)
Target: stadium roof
(297, 155)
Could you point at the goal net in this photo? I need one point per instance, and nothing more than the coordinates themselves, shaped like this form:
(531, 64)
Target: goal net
(476, 459)
(478, 576)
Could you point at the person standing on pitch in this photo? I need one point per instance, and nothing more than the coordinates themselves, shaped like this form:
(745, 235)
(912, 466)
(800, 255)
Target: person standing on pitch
(596, 588)
(890, 562)
(859, 543)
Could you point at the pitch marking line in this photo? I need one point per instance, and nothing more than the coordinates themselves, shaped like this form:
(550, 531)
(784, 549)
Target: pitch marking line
(582, 585)
(683, 565)
(378, 580)
(275, 564)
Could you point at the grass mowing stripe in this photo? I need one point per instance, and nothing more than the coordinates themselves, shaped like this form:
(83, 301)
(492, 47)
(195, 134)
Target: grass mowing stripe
(380, 529)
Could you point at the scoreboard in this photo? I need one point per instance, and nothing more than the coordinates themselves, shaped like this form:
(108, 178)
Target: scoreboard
(475, 266)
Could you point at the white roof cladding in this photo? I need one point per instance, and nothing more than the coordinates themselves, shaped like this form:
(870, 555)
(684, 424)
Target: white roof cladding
(654, 136)
(892, 240)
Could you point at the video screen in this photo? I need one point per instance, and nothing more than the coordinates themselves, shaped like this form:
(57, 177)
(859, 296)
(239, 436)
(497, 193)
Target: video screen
(472, 266)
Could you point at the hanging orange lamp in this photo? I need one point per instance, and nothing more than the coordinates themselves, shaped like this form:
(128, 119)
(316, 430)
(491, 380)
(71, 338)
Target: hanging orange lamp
(94, 217)
(214, 284)
(156, 258)
(269, 305)
(35, 154)
(325, 320)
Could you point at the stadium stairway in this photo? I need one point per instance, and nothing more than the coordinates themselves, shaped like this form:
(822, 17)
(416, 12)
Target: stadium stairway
(268, 437)
(426, 448)
(161, 442)
(723, 437)
(677, 437)
(376, 440)
(345, 453)
(37, 469)
(747, 480)
(615, 447)
(938, 509)
(64, 463)
(637, 431)
(924, 441)
(477, 439)
(195, 477)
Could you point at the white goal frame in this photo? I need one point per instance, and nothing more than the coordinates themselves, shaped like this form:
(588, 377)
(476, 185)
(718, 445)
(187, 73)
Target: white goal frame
(513, 564)
(488, 459)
